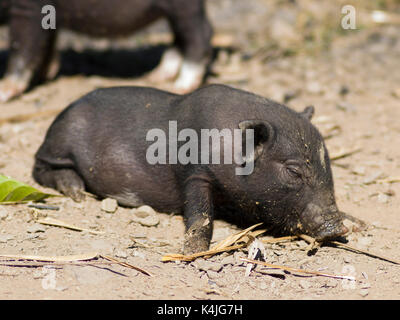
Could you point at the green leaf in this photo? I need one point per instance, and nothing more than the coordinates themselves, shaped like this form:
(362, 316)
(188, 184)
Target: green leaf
(12, 191)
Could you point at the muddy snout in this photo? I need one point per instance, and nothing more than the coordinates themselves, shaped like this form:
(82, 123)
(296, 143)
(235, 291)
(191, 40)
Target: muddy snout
(324, 224)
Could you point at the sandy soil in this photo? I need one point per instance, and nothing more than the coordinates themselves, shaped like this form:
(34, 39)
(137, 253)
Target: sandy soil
(355, 87)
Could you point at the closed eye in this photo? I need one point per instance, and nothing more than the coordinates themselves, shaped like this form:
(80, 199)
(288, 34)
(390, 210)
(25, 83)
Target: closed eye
(294, 171)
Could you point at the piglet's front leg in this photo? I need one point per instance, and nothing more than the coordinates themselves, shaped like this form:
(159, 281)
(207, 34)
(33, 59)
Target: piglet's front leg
(198, 215)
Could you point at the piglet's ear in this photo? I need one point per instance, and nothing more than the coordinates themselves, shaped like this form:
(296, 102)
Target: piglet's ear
(263, 133)
(308, 112)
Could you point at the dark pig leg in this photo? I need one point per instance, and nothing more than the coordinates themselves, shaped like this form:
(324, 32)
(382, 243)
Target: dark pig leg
(31, 48)
(65, 180)
(198, 215)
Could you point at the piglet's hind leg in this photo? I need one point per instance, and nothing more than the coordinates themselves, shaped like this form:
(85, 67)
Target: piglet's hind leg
(67, 181)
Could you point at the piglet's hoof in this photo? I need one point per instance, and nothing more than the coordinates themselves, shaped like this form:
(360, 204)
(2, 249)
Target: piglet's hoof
(195, 241)
(190, 77)
(168, 68)
(10, 89)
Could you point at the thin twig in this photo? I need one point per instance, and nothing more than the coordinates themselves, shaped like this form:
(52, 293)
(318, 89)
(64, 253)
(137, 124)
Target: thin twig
(280, 239)
(345, 246)
(58, 223)
(374, 255)
(344, 154)
(188, 258)
(125, 264)
(289, 269)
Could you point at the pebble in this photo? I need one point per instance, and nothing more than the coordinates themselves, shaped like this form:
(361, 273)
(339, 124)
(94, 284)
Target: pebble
(146, 209)
(383, 198)
(109, 205)
(3, 214)
(202, 264)
(145, 216)
(37, 227)
(213, 274)
(121, 254)
(228, 260)
(5, 237)
(363, 292)
(150, 221)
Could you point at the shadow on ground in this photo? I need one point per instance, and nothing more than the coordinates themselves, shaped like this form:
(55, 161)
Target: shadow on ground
(111, 63)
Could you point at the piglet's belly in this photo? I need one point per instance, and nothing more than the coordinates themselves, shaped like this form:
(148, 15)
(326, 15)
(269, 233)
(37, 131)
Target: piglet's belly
(136, 187)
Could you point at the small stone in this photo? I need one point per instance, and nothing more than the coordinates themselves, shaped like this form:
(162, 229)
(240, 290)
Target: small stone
(5, 237)
(32, 236)
(149, 210)
(383, 198)
(121, 254)
(202, 264)
(37, 227)
(213, 274)
(3, 213)
(228, 260)
(150, 221)
(109, 205)
(363, 292)
(146, 216)
(140, 214)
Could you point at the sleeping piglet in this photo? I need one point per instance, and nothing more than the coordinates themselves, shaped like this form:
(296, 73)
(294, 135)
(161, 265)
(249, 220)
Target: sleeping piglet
(141, 145)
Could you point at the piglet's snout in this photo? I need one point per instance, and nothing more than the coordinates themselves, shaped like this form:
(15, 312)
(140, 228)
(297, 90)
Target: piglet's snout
(324, 224)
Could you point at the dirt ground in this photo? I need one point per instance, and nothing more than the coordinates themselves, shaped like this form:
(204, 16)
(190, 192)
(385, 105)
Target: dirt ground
(354, 84)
